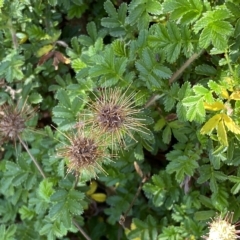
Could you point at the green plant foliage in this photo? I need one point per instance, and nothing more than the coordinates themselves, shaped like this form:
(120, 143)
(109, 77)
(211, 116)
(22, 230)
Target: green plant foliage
(176, 159)
(214, 29)
(11, 67)
(116, 20)
(7, 233)
(64, 204)
(144, 229)
(184, 10)
(160, 188)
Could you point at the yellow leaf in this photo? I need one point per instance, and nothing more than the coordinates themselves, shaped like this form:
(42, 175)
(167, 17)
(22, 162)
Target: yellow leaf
(93, 187)
(235, 95)
(43, 50)
(224, 93)
(210, 124)
(221, 133)
(230, 124)
(22, 37)
(133, 226)
(214, 106)
(99, 197)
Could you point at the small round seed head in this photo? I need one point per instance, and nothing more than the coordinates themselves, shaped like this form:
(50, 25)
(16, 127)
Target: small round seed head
(115, 114)
(85, 152)
(13, 120)
(222, 228)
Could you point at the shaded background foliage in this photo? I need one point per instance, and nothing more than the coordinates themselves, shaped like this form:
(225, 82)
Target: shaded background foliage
(181, 58)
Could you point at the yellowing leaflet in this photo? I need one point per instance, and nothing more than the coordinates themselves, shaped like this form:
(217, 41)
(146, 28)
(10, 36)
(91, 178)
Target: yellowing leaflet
(230, 124)
(210, 124)
(235, 95)
(214, 106)
(99, 197)
(93, 188)
(224, 93)
(221, 132)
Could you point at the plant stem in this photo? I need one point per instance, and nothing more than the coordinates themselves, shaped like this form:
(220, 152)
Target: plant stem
(76, 180)
(153, 99)
(13, 34)
(174, 77)
(178, 73)
(122, 218)
(81, 230)
(43, 175)
(228, 62)
(31, 156)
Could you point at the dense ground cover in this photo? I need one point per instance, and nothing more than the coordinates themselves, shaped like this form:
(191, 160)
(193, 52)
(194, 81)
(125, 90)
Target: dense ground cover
(119, 119)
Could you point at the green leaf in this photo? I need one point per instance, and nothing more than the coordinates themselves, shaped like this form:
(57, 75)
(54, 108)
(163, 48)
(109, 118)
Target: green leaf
(138, 152)
(57, 210)
(92, 31)
(76, 11)
(184, 11)
(36, 32)
(136, 12)
(116, 21)
(236, 187)
(110, 9)
(11, 67)
(162, 190)
(153, 7)
(230, 150)
(215, 29)
(26, 213)
(139, 12)
(233, 8)
(181, 112)
(53, 2)
(63, 98)
(65, 113)
(66, 204)
(195, 108)
(53, 228)
(172, 232)
(184, 90)
(35, 98)
(111, 69)
(220, 198)
(204, 215)
(45, 189)
(184, 164)
(119, 48)
(159, 124)
(78, 64)
(206, 173)
(205, 37)
(163, 72)
(200, 90)
(150, 71)
(58, 196)
(167, 134)
(20, 173)
(237, 29)
(7, 232)
(170, 97)
(206, 70)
